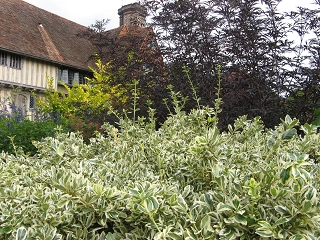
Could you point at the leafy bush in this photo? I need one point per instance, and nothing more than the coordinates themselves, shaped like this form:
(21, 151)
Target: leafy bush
(88, 100)
(18, 132)
(184, 180)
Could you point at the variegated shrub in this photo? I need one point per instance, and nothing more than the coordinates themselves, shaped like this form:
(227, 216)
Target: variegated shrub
(184, 180)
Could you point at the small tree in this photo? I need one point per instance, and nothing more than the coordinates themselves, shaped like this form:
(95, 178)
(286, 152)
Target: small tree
(85, 104)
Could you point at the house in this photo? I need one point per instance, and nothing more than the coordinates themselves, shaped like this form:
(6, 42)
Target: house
(36, 45)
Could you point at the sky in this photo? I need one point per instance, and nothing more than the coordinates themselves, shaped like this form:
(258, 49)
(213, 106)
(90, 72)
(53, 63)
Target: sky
(84, 12)
(87, 12)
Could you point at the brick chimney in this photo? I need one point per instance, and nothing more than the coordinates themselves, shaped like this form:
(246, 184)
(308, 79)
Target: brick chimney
(133, 14)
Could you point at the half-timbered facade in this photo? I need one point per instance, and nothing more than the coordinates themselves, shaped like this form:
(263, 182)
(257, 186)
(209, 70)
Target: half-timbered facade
(36, 45)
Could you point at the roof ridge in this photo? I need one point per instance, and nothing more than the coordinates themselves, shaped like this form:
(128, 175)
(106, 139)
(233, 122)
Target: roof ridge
(51, 48)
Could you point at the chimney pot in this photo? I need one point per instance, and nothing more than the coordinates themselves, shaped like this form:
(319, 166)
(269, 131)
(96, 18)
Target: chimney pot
(133, 14)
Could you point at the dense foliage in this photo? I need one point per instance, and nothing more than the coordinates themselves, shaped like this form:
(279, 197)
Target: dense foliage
(86, 105)
(131, 54)
(184, 180)
(269, 57)
(86, 100)
(17, 131)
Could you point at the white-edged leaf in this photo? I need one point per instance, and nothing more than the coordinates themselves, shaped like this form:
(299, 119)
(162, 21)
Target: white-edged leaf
(240, 219)
(281, 221)
(282, 210)
(222, 207)
(264, 233)
(21, 234)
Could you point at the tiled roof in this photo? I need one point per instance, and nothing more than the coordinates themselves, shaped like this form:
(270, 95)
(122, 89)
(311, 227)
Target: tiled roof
(31, 31)
(34, 32)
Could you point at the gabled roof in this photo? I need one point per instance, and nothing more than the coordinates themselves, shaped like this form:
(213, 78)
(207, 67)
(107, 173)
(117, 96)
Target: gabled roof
(31, 31)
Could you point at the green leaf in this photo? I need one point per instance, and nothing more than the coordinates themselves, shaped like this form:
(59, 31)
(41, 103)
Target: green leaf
(224, 207)
(240, 219)
(295, 172)
(5, 230)
(98, 189)
(110, 236)
(316, 112)
(305, 175)
(150, 204)
(194, 214)
(289, 122)
(297, 237)
(155, 203)
(187, 190)
(283, 211)
(288, 119)
(278, 235)
(312, 193)
(274, 192)
(205, 222)
(230, 236)
(182, 203)
(303, 157)
(90, 218)
(281, 221)
(191, 234)
(227, 233)
(60, 150)
(264, 225)
(316, 122)
(173, 199)
(236, 202)
(265, 230)
(285, 174)
(289, 134)
(21, 234)
(271, 142)
(264, 233)
(175, 236)
(306, 206)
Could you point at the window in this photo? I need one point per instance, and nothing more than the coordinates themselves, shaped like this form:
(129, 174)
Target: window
(76, 78)
(15, 61)
(64, 76)
(32, 102)
(70, 77)
(3, 58)
(82, 79)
